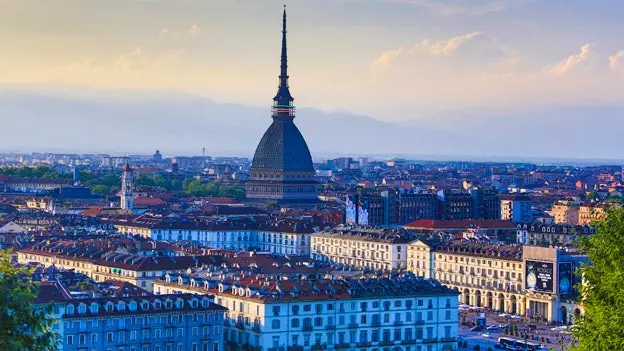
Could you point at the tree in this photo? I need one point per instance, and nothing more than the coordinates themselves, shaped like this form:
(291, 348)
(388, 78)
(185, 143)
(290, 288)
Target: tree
(100, 189)
(22, 325)
(602, 290)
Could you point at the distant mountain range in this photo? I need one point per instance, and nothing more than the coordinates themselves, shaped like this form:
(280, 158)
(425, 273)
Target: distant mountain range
(179, 124)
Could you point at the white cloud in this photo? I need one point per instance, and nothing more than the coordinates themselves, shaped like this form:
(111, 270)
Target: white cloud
(564, 66)
(443, 47)
(164, 31)
(615, 60)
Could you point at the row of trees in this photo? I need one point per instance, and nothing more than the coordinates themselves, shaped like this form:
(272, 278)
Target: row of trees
(105, 184)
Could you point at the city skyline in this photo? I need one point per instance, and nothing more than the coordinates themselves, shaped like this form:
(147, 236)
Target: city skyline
(446, 69)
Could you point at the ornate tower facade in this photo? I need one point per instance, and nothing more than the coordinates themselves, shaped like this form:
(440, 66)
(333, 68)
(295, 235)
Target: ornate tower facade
(127, 194)
(282, 169)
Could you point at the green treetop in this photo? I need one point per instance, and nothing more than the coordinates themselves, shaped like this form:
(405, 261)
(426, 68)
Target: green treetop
(602, 290)
(23, 327)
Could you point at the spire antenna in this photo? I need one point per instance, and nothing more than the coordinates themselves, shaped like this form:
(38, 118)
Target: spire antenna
(283, 101)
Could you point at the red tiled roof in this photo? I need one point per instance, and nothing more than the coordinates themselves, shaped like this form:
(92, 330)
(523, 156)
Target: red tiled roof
(149, 201)
(459, 224)
(92, 211)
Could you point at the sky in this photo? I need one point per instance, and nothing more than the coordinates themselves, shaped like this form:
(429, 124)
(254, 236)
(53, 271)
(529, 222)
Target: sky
(401, 61)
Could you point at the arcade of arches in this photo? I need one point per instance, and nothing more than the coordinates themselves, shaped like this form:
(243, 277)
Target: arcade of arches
(494, 300)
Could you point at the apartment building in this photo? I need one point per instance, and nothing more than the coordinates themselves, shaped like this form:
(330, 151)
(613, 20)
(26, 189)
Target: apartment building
(136, 323)
(362, 248)
(276, 235)
(566, 212)
(529, 281)
(102, 263)
(404, 313)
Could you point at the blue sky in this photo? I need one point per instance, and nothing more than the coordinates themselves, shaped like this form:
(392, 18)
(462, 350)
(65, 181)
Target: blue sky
(403, 61)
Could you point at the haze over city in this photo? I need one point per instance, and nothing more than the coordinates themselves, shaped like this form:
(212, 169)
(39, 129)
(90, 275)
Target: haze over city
(516, 78)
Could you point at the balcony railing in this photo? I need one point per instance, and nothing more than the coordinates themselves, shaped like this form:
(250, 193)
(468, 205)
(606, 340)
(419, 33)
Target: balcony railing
(318, 347)
(430, 340)
(352, 326)
(240, 325)
(364, 344)
(449, 339)
(386, 343)
(255, 328)
(341, 346)
(398, 323)
(307, 328)
(376, 324)
(420, 322)
(408, 341)
(330, 327)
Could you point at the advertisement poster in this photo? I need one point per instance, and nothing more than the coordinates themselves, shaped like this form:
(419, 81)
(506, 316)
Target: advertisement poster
(565, 278)
(539, 276)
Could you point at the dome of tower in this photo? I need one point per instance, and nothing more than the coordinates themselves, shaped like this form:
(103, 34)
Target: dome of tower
(283, 148)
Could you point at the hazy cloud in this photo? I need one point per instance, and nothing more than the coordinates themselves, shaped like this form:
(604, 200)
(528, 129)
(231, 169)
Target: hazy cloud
(615, 60)
(472, 7)
(571, 61)
(427, 46)
(193, 31)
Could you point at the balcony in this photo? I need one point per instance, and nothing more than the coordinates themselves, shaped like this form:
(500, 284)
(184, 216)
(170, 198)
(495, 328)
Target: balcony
(430, 340)
(449, 339)
(376, 324)
(306, 328)
(420, 322)
(255, 328)
(318, 347)
(341, 346)
(386, 343)
(364, 344)
(240, 325)
(353, 326)
(330, 327)
(398, 323)
(408, 341)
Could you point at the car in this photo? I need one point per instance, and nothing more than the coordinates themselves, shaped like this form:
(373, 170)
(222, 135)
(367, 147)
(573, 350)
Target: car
(476, 328)
(493, 327)
(486, 335)
(503, 326)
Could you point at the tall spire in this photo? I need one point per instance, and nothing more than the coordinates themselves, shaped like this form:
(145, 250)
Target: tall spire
(282, 102)
(284, 62)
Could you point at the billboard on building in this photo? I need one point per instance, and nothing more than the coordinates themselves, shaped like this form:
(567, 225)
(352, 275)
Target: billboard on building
(539, 276)
(565, 278)
(351, 208)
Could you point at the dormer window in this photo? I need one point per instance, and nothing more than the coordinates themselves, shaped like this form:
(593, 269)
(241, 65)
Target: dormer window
(94, 307)
(69, 309)
(169, 304)
(121, 306)
(157, 304)
(82, 308)
(144, 305)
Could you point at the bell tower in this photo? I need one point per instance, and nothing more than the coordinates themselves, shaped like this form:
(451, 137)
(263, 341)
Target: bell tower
(127, 195)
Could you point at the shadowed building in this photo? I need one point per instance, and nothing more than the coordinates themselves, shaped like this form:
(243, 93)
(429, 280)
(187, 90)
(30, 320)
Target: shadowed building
(282, 169)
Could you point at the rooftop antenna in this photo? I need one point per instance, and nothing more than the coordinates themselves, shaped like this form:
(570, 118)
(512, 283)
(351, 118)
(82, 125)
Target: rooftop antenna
(203, 152)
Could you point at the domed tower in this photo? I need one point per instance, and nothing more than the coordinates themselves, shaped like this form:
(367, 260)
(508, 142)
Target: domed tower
(282, 169)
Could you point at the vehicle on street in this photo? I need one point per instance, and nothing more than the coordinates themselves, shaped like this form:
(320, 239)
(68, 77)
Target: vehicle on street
(486, 335)
(517, 344)
(493, 327)
(476, 328)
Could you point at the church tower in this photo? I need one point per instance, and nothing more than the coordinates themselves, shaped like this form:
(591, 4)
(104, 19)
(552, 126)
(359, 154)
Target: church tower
(282, 169)
(127, 196)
